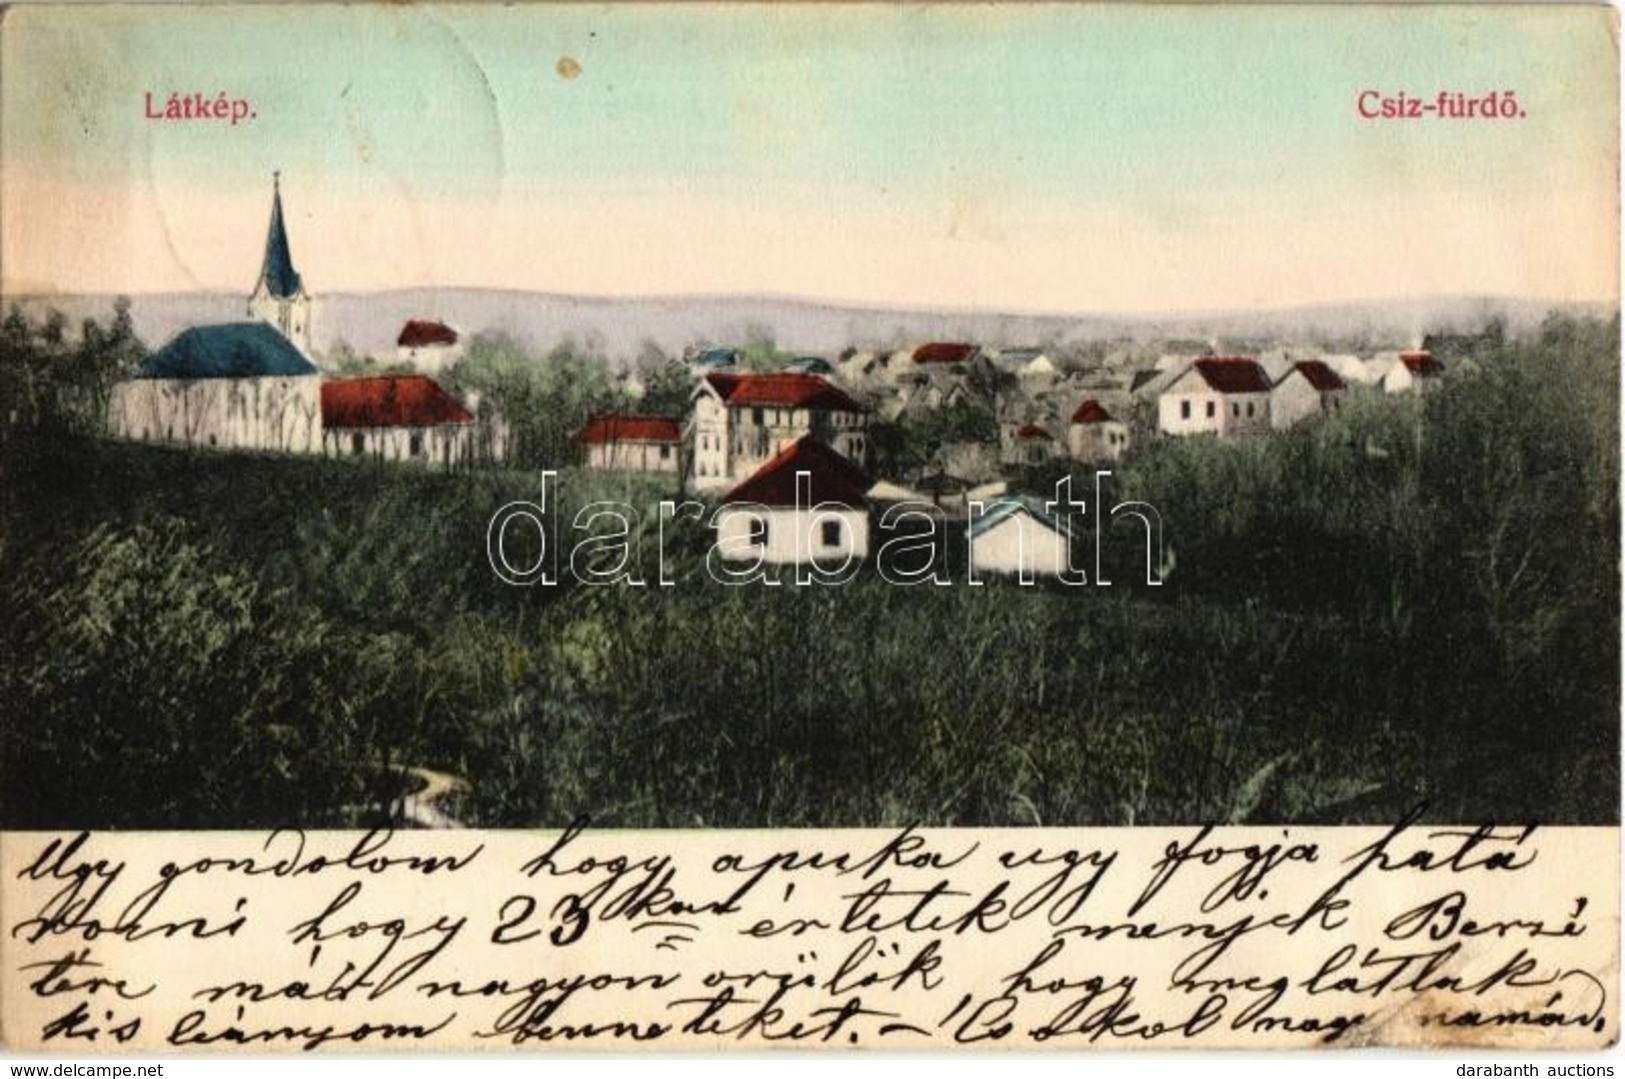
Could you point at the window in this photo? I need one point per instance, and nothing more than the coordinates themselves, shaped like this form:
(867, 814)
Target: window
(1210, 410)
(1249, 409)
(1235, 408)
(358, 443)
(416, 446)
(757, 531)
(1184, 410)
(756, 416)
(829, 533)
(665, 453)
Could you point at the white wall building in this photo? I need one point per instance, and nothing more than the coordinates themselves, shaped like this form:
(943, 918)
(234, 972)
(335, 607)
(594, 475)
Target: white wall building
(429, 346)
(742, 421)
(240, 385)
(1416, 370)
(615, 443)
(1223, 396)
(1094, 435)
(397, 418)
(1019, 537)
(1309, 388)
(807, 504)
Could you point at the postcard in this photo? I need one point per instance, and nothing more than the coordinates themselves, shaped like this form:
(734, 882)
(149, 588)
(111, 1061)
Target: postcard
(623, 527)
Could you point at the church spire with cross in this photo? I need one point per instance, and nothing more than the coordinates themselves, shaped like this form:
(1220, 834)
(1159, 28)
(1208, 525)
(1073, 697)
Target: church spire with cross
(279, 297)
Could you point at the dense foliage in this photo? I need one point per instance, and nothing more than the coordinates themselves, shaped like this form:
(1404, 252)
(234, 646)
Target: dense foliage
(1411, 600)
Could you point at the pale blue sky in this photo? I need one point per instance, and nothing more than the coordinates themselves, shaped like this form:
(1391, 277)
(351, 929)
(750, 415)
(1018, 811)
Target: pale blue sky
(1030, 157)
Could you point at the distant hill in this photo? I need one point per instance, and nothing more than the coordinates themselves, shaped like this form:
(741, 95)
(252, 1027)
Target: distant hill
(369, 322)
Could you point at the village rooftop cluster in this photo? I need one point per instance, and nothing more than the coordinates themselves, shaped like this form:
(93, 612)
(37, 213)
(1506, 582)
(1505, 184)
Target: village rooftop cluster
(785, 456)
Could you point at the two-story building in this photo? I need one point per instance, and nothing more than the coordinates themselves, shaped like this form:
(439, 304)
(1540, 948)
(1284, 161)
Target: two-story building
(741, 421)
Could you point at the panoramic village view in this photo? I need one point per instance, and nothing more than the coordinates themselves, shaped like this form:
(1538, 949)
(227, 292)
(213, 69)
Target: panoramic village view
(249, 581)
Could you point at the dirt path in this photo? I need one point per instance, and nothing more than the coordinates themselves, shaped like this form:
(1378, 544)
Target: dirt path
(422, 807)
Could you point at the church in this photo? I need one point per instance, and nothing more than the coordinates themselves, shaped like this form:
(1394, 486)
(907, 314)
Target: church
(238, 385)
(252, 386)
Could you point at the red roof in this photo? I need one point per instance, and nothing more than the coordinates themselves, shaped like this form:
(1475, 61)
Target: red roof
(945, 352)
(1091, 411)
(782, 389)
(1421, 363)
(1233, 374)
(1320, 376)
(831, 477)
(420, 332)
(1032, 431)
(390, 401)
(611, 428)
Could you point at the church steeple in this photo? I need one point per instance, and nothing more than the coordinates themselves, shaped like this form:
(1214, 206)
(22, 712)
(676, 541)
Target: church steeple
(279, 297)
(280, 278)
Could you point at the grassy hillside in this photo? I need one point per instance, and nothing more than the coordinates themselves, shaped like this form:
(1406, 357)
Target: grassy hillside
(1413, 600)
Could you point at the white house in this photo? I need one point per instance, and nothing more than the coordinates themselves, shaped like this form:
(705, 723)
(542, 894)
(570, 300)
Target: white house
(1351, 369)
(1223, 396)
(429, 346)
(1040, 370)
(1416, 370)
(806, 504)
(633, 443)
(397, 418)
(741, 421)
(241, 385)
(1094, 435)
(1018, 536)
(1309, 388)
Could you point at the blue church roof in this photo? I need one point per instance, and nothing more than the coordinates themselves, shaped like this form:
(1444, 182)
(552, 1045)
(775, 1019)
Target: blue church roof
(278, 273)
(229, 350)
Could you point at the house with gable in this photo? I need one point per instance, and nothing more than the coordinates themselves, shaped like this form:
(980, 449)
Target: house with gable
(1415, 370)
(429, 346)
(397, 418)
(1308, 388)
(1094, 435)
(632, 443)
(1017, 535)
(1224, 396)
(740, 421)
(807, 503)
(240, 385)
